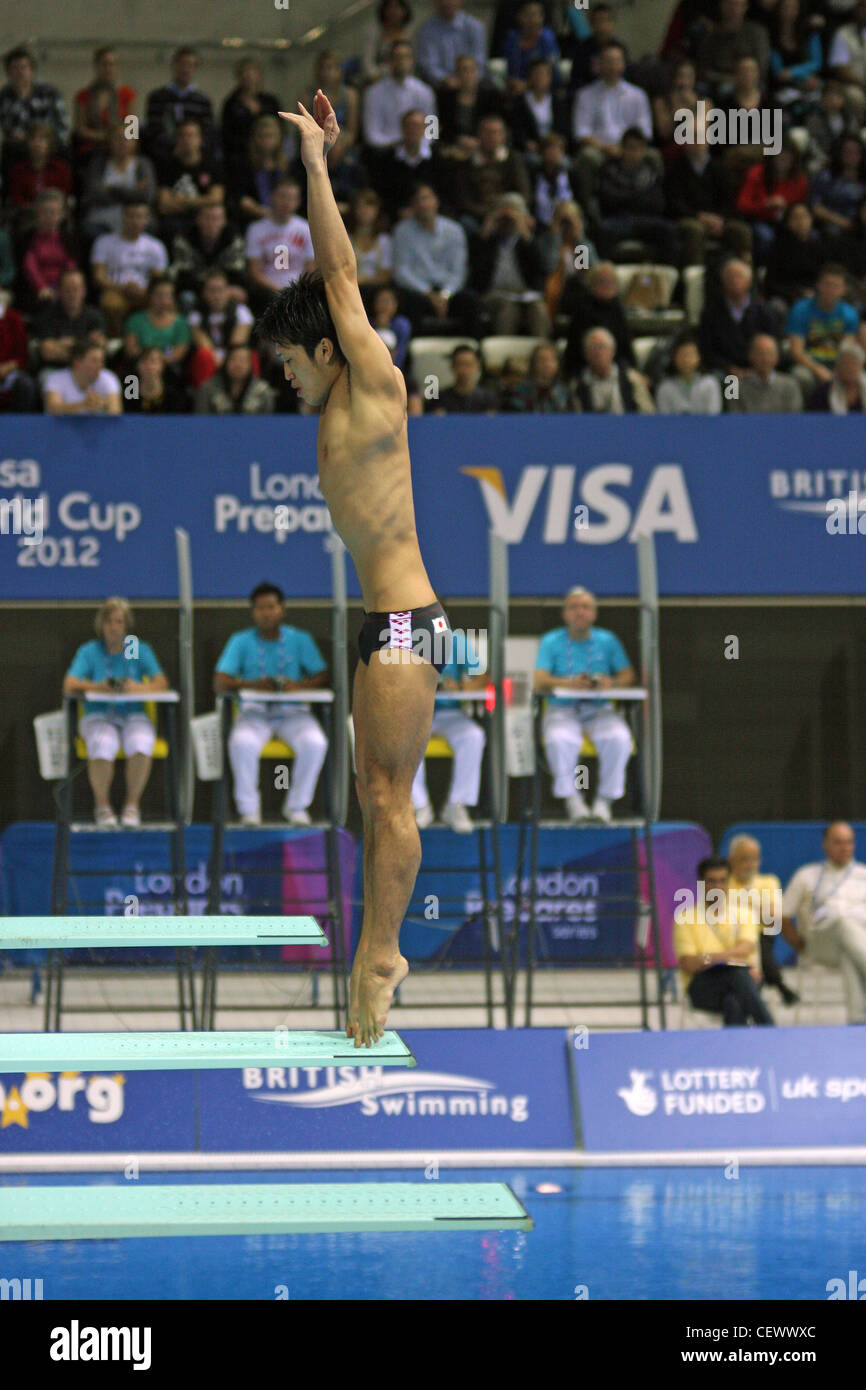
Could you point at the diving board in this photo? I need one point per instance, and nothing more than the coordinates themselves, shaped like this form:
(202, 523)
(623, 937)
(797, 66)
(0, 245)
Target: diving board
(70, 933)
(204, 1209)
(101, 1052)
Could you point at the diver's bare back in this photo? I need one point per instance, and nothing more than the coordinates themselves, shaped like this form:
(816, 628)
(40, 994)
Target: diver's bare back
(366, 480)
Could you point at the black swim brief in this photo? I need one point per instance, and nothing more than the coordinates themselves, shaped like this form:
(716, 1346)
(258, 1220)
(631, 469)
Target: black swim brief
(420, 634)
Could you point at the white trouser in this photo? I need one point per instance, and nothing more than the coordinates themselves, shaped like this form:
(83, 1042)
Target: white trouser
(563, 735)
(251, 732)
(842, 942)
(105, 734)
(466, 740)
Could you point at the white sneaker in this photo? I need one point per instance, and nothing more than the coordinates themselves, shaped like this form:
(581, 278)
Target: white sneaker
(298, 817)
(130, 816)
(601, 809)
(456, 815)
(576, 807)
(424, 816)
(105, 818)
(253, 819)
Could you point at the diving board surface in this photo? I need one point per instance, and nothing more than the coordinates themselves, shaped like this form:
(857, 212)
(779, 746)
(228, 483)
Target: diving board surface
(69, 933)
(108, 1212)
(100, 1052)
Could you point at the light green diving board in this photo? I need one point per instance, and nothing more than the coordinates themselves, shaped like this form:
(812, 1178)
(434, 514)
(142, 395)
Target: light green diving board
(68, 933)
(102, 1052)
(107, 1212)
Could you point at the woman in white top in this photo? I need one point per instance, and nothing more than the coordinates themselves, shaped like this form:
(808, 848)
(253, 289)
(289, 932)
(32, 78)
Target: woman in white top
(372, 246)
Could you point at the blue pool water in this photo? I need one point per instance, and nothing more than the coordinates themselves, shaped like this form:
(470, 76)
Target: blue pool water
(771, 1233)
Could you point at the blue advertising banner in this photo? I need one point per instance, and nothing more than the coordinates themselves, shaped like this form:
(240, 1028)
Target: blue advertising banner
(569, 493)
(730, 1088)
(87, 1113)
(472, 1089)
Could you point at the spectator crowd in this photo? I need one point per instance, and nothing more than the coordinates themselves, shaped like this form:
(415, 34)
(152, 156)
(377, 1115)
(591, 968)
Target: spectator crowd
(530, 179)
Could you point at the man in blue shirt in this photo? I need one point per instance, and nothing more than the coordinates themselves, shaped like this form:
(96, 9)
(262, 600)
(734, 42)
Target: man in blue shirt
(444, 37)
(464, 736)
(275, 657)
(816, 326)
(580, 656)
(116, 662)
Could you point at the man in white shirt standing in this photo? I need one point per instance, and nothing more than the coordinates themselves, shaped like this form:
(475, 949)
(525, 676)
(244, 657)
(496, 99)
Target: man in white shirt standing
(278, 248)
(387, 101)
(828, 901)
(123, 263)
(602, 112)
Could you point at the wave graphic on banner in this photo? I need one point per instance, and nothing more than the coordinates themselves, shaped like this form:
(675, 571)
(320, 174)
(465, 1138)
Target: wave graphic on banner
(347, 1092)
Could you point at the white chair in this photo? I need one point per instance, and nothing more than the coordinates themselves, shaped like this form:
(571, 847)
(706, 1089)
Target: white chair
(693, 1018)
(432, 357)
(694, 278)
(497, 71)
(496, 349)
(667, 274)
(642, 348)
(820, 988)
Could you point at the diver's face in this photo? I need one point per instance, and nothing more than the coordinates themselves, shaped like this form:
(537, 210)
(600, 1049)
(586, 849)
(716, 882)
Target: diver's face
(303, 373)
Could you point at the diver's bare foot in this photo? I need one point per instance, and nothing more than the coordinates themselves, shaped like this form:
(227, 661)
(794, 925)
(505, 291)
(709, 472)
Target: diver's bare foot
(352, 1022)
(378, 978)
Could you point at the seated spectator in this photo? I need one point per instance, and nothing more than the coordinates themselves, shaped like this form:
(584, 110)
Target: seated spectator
(385, 102)
(213, 244)
(443, 37)
(531, 40)
(179, 100)
(505, 18)
(825, 123)
(46, 252)
(278, 247)
(477, 181)
(157, 391)
(839, 190)
(467, 396)
(768, 190)
(100, 107)
(824, 915)
(67, 320)
(414, 158)
(18, 392)
(463, 105)
(748, 95)
(761, 895)
(430, 269)
(631, 200)
(697, 200)
(566, 251)
(688, 390)
(342, 158)
(845, 392)
(593, 301)
(847, 60)
(218, 323)
(680, 95)
(731, 38)
(371, 244)
(551, 183)
(98, 668)
(122, 264)
(604, 386)
(158, 325)
(25, 102)
(234, 389)
(816, 326)
(271, 656)
(584, 48)
(508, 270)
(393, 327)
(796, 59)
(464, 736)
(39, 169)
(539, 111)
(603, 111)
(243, 106)
(718, 958)
(265, 164)
(764, 390)
(392, 22)
(581, 656)
(113, 177)
(795, 259)
(85, 387)
(188, 179)
(731, 317)
(542, 391)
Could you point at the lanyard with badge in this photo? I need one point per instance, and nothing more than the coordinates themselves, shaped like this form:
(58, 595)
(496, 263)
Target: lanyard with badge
(820, 913)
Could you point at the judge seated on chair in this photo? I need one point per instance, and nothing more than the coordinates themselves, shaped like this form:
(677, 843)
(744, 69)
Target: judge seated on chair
(581, 656)
(272, 656)
(827, 902)
(116, 662)
(465, 737)
(717, 950)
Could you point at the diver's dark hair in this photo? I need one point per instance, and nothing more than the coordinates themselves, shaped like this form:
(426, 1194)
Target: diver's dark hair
(300, 314)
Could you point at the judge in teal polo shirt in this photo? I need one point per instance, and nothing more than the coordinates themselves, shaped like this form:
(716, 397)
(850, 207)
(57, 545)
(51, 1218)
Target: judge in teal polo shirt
(272, 656)
(465, 737)
(581, 656)
(116, 661)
